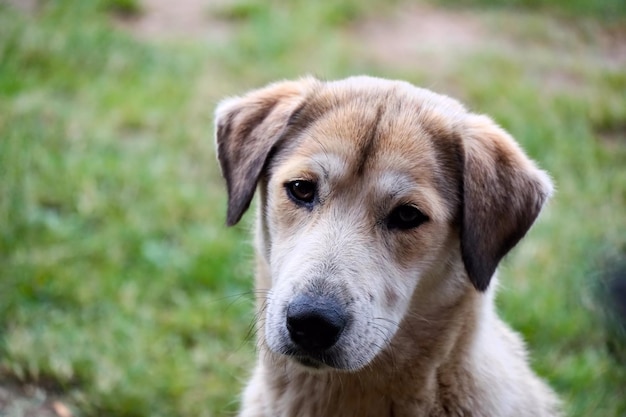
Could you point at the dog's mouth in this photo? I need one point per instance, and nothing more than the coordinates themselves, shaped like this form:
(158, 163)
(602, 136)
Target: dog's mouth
(309, 362)
(318, 360)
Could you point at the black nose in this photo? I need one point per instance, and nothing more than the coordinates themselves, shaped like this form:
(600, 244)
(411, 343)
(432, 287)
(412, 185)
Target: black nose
(315, 323)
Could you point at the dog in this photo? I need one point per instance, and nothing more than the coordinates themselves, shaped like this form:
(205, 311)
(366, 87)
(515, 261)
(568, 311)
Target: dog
(383, 212)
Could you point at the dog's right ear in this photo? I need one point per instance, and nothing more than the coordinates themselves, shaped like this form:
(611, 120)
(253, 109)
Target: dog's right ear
(247, 128)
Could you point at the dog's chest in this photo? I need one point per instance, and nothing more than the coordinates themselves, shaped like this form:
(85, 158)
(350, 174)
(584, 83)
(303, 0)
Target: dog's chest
(366, 407)
(310, 398)
(337, 396)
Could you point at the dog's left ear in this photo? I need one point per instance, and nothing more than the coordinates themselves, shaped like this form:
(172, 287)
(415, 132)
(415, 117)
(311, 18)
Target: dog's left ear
(246, 130)
(503, 194)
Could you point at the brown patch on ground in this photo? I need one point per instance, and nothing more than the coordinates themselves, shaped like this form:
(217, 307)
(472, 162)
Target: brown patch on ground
(28, 6)
(421, 35)
(419, 30)
(27, 400)
(183, 19)
(433, 41)
(613, 41)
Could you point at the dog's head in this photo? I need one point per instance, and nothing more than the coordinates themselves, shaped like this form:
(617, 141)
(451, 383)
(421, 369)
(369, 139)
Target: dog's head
(372, 191)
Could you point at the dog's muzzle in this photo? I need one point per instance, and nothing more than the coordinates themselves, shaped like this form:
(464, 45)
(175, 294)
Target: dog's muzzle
(315, 324)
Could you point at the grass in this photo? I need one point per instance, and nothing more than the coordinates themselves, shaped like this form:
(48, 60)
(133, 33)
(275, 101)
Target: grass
(605, 9)
(121, 289)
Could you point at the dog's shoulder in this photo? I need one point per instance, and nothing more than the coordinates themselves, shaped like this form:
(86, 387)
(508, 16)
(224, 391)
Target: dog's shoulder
(495, 379)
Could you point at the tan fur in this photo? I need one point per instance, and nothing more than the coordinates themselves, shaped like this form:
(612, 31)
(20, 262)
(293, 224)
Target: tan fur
(423, 337)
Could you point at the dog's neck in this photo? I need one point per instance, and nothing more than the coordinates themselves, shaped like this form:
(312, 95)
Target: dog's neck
(414, 375)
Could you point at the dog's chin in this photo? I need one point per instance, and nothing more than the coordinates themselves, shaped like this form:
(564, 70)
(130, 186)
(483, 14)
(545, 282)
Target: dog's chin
(310, 363)
(332, 360)
(321, 363)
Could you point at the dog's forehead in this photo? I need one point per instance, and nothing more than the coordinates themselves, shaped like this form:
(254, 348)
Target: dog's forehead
(399, 134)
(369, 116)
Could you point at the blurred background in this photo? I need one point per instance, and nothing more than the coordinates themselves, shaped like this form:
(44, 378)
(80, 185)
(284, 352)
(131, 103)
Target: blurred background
(122, 293)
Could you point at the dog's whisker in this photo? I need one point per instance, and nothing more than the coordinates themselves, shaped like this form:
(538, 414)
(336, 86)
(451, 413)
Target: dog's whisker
(236, 296)
(390, 321)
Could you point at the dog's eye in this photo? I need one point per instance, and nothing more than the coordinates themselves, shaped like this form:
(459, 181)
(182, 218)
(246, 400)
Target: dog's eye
(406, 217)
(301, 191)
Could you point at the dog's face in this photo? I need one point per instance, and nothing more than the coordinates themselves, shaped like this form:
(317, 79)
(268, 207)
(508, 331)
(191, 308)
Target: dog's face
(371, 191)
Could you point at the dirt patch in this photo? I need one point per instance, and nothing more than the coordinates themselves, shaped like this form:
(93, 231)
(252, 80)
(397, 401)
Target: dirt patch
(28, 6)
(613, 42)
(416, 36)
(30, 401)
(183, 19)
(434, 42)
(421, 35)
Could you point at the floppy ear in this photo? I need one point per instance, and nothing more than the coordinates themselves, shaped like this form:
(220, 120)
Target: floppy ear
(503, 194)
(246, 130)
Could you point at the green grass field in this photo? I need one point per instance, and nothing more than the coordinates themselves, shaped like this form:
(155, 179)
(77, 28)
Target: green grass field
(122, 291)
